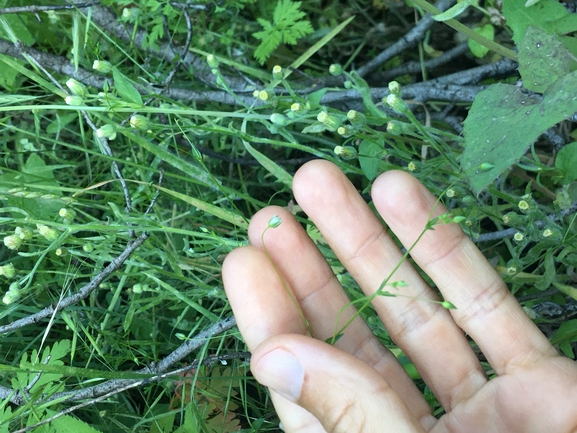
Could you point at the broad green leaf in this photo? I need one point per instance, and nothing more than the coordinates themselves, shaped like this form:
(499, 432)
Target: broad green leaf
(566, 161)
(315, 98)
(567, 332)
(15, 26)
(369, 157)
(454, 11)
(271, 166)
(476, 48)
(125, 88)
(547, 15)
(67, 423)
(542, 60)
(490, 137)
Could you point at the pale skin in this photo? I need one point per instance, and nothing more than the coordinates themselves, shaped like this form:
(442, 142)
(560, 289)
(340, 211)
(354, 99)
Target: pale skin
(357, 385)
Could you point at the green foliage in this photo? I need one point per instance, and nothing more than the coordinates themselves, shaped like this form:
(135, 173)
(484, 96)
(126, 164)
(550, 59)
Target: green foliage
(287, 27)
(221, 158)
(476, 48)
(566, 162)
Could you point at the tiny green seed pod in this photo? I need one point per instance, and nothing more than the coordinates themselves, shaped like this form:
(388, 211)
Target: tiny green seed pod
(87, 248)
(274, 222)
(335, 69)
(212, 61)
(486, 166)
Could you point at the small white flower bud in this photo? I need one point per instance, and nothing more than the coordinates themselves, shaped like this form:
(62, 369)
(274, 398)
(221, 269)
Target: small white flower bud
(73, 100)
(396, 103)
(212, 61)
(47, 232)
(23, 233)
(346, 152)
(8, 270)
(67, 214)
(330, 121)
(335, 69)
(278, 119)
(518, 237)
(395, 88)
(102, 66)
(130, 14)
(265, 95)
(139, 122)
(411, 166)
(277, 73)
(107, 131)
(297, 107)
(274, 222)
(76, 87)
(12, 242)
(523, 205)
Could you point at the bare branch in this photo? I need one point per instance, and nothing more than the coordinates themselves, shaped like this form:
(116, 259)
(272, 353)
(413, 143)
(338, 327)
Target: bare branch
(416, 34)
(36, 8)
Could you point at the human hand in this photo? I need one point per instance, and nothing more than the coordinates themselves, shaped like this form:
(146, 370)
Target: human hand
(357, 385)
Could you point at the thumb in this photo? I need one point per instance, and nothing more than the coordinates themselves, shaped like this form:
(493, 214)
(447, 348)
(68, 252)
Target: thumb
(342, 392)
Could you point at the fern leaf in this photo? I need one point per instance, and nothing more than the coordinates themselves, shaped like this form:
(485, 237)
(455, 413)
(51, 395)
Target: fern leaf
(288, 26)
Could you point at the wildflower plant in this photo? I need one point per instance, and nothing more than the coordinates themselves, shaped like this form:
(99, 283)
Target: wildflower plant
(132, 165)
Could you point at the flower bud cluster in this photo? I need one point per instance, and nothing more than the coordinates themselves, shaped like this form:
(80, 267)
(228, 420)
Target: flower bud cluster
(12, 294)
(8, 270)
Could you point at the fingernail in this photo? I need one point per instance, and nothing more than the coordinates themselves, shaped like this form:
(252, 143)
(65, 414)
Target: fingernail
(281, 371)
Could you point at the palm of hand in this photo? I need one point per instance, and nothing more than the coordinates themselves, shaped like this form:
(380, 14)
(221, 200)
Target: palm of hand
(357, 384)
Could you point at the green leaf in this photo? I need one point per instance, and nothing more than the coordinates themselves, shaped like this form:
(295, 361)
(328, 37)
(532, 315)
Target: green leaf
(271, 166)
(369, 157)
(67, 423)
(542, 60)
(454, 11)
(218, 212)
(286, 27)
(125, 88)
(566, 333)
(314, 99)
(489, 135)
(476, 48)
(547, 15)
(16, 25)
(566, 161)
